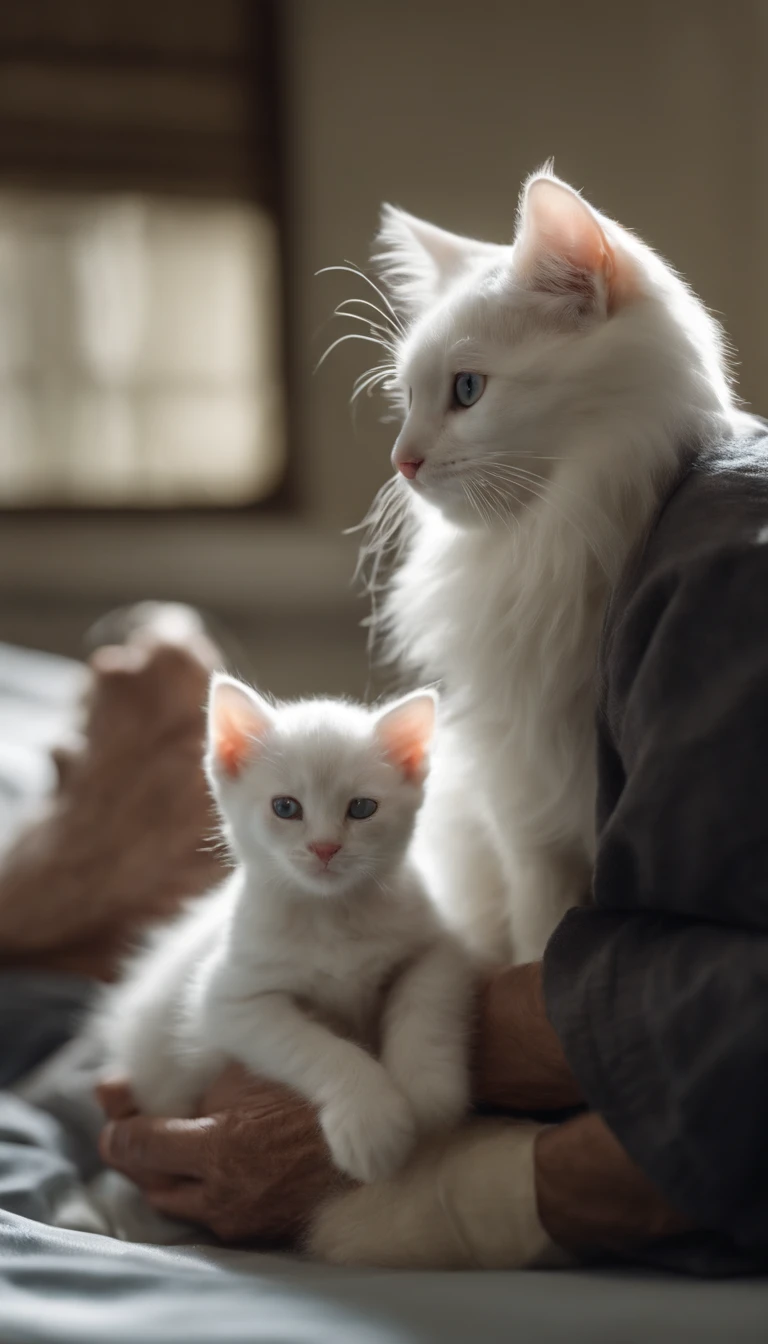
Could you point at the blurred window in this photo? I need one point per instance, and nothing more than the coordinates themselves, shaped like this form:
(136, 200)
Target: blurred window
(139, 254)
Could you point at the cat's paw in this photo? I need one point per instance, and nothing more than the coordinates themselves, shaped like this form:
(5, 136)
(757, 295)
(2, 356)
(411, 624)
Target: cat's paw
(369, 1131)
(438, 1094)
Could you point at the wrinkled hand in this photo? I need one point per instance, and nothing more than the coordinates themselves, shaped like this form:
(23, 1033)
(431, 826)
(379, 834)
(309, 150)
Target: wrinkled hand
(252, 1168)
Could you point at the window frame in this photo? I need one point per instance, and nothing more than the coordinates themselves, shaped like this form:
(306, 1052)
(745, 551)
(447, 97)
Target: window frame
(285, 500)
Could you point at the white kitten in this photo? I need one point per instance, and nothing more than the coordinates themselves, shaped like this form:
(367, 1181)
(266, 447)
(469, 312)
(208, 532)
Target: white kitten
(321, 943)
(549, 391)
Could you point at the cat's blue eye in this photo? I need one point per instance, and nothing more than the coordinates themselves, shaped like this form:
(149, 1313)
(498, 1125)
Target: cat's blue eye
(467, 389)
(287, 809)
(360, 809)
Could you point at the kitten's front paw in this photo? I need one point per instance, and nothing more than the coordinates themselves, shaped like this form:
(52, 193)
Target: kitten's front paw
(370, 1133)
(439, 1096)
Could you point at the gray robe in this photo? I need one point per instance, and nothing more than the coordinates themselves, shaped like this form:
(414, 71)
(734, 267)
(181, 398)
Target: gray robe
(659, 990)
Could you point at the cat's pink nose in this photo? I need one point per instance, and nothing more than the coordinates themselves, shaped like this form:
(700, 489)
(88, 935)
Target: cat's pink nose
(410, 468)
(325, 850)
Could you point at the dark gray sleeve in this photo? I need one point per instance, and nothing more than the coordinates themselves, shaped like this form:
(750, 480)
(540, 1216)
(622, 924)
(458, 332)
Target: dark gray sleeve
(660, 992)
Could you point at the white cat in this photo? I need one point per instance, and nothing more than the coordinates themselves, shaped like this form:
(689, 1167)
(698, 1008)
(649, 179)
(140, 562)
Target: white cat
(322, 942)
(549, 390)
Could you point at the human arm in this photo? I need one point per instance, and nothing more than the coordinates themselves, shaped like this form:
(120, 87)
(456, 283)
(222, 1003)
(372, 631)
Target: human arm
(658, 993)
(518, 1061)
(251, 1168)
(591, 1196)
(259, 1154)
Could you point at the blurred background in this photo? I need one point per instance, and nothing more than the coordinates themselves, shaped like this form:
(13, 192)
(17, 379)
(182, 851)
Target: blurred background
(173, 173)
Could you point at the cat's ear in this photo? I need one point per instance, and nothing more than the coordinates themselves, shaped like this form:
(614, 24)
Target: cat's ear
(405, 731)
(561, 247)
(416, 260)
(238, 721)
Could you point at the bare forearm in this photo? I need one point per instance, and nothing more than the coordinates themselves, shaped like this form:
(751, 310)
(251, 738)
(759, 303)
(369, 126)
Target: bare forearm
(519, 1062)
(592, 1197)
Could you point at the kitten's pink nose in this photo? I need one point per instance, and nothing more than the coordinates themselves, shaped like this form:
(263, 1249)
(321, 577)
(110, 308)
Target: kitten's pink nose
(410, 467)
(325, 850)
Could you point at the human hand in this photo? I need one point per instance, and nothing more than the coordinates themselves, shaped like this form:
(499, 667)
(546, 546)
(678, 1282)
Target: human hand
(252, 1167)
(518, 1062)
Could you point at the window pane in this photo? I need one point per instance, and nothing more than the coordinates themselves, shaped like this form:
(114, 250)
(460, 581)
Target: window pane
(138, 352)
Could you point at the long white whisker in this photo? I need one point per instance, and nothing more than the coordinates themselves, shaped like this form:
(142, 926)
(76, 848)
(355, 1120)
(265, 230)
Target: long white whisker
(481, 504)
(503, 454)
(506, 513)
(384, 540)
(472, 496)
(547, 488)
(355, 270)
(349, 336)
(384, 366)
(508, 516)
(496, 501)
(366, 303)
(373, 327)
(510, 471)
(468, 495)
(535, 489)
(367, 384)
(375, 368)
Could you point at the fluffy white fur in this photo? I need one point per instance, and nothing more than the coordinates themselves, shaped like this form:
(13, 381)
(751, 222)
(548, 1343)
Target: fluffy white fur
(602, 369)
(299, 962)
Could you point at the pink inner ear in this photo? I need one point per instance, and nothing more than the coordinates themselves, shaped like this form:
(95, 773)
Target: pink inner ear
(407, 754)
(236, 726)
(406, 732)
(559, 227)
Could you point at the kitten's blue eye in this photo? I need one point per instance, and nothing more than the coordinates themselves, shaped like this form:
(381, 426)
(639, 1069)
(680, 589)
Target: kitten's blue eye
(360, 809)
(287, 809)
(468, 388)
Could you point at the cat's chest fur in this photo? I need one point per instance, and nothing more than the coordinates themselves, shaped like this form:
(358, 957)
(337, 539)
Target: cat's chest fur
(333, 957)
(511, 628)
